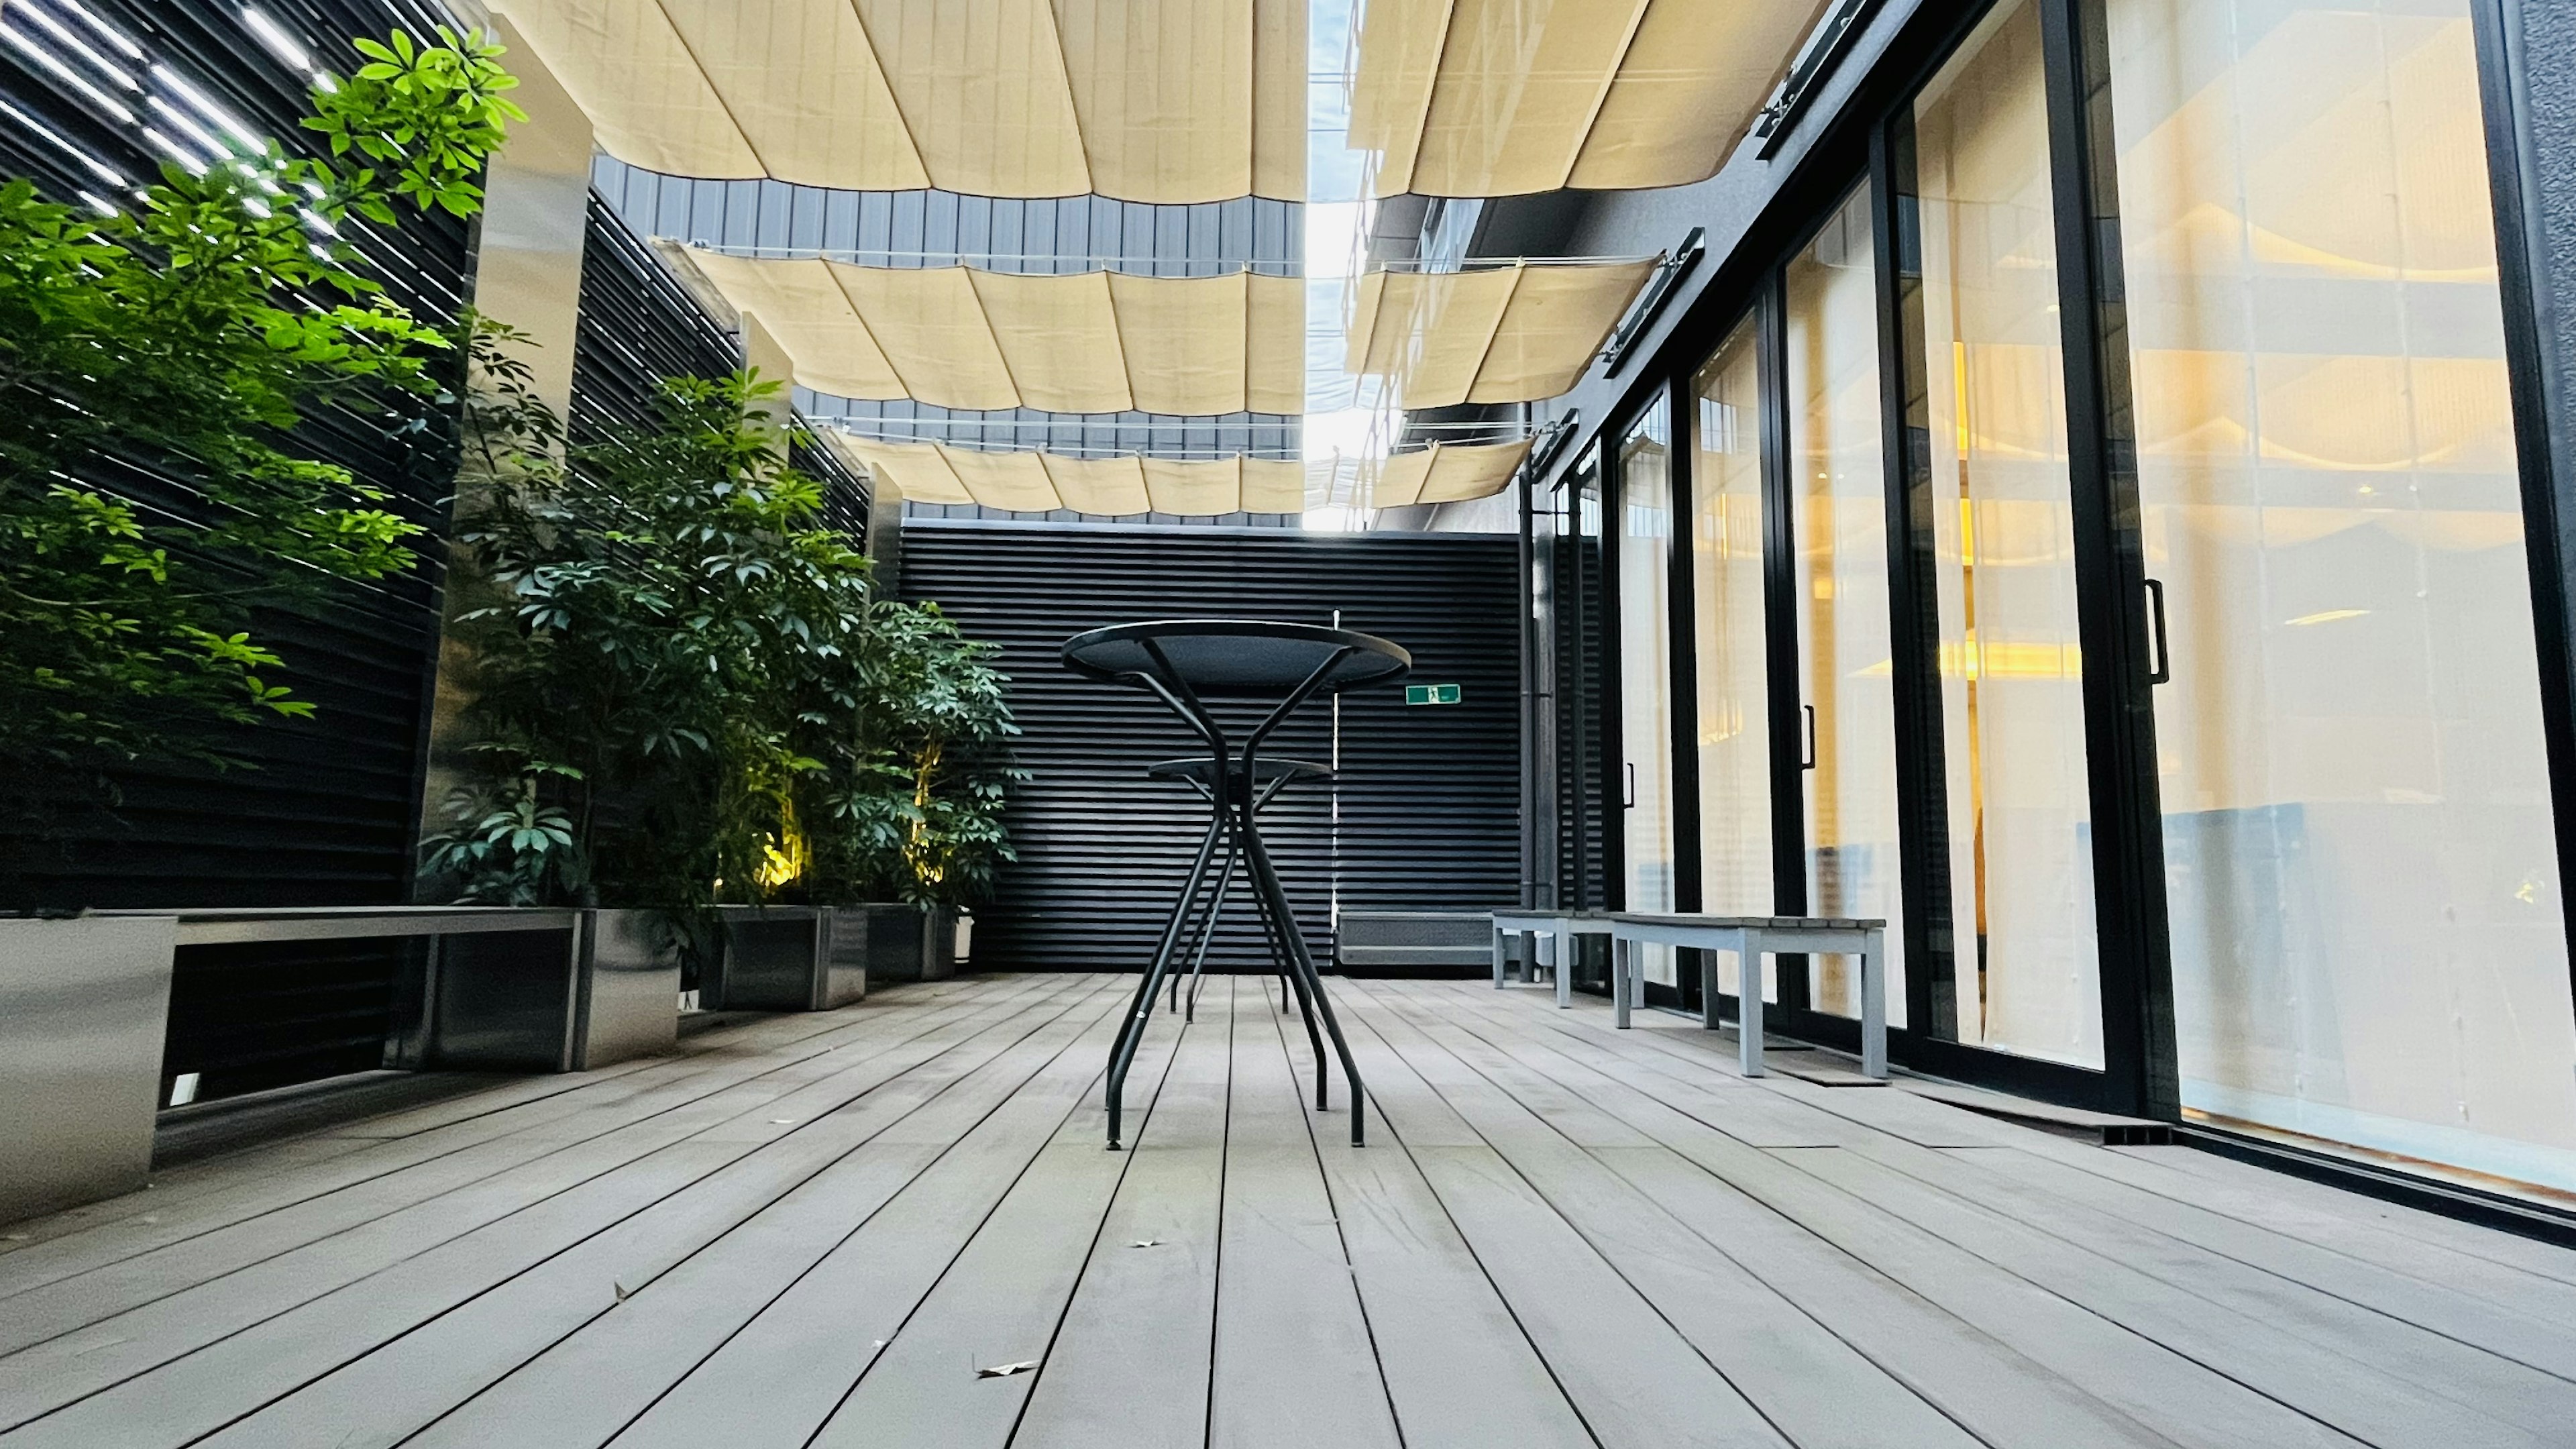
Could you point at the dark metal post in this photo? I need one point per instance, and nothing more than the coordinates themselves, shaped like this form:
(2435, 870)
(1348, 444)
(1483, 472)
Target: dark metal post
(2140, 1072)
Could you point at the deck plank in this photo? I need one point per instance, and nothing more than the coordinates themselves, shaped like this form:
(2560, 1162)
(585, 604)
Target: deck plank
(83, 1298)
(417, 1379)
(1560, 1235)
(783, 1374)
(245, 1186)
(1813, 1387)
(162, 1388)
(1294, 1362)
(1128, 1368)
(1634, 1379)
(2136, 1379)
(1459, 1369)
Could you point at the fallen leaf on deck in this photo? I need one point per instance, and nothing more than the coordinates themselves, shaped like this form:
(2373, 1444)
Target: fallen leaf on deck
(1005, 1370)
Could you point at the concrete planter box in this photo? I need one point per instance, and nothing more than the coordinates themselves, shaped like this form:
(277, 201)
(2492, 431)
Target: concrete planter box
(548, 1000)
(906, 943)
(789, 958)
(84, 1008)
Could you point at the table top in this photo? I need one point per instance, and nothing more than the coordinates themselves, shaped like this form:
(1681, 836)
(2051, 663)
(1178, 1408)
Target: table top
(1236, 656)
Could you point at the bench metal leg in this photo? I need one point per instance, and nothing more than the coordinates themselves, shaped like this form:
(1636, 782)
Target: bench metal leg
(1873, 1007)
(1708, 990)
(1498, 958)
(1564, 968)
(1623, 968)
(1748, 996)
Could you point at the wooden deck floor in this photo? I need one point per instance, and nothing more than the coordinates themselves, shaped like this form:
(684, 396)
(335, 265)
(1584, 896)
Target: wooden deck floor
(895, 1225)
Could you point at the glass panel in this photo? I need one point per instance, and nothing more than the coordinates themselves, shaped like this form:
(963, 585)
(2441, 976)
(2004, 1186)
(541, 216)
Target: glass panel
(1991, 421)
(1645, 673)
(1846, 674)
(1735, 870)
(2368, 943)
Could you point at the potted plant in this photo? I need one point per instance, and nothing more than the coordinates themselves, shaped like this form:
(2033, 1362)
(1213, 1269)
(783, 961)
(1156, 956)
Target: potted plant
(654, 616)
(913, 790)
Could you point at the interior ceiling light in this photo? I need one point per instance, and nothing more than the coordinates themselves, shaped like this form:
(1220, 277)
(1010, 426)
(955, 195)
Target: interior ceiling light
(1495, 335)
(1166, 101)
(1081, 342)
(1504, 98)
(1113, 487)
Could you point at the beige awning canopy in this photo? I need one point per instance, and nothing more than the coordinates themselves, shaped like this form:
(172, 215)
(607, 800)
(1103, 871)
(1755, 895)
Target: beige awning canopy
(1145, 100)
(1444, 473)
(1037, 482)
(1503, 97)
(1499, 335)
(1080, 342)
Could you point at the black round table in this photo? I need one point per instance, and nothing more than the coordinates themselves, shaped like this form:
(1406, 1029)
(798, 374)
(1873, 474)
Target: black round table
(1186, 663)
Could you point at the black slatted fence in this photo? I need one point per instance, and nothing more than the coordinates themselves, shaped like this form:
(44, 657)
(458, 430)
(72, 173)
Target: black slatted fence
(1422, 815)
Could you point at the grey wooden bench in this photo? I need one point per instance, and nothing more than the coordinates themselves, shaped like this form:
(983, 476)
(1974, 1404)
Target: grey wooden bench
(1563, 925)
(1750, 938)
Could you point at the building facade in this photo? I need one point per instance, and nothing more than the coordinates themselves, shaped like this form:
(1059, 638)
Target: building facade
(2097, 503)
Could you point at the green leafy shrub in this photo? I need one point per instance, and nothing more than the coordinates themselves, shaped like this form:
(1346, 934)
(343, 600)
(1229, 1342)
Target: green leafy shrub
(912, 799)
(191, 335)
(663, 640)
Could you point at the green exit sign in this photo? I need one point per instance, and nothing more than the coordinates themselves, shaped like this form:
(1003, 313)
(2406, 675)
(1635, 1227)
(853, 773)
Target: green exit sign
(1431, 694)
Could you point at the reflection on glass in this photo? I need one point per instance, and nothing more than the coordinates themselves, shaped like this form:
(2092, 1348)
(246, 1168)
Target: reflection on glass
(1992, 418)
(1838, 509)
(1645, 674)
(1726, 594)
(2367, 935)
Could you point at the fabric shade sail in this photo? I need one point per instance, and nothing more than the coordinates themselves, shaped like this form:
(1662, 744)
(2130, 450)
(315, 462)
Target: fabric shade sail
(1146, 100)
(1498, 335)
(1038, 482)
(1506, 97)
(1079, 342)
(1444, 473)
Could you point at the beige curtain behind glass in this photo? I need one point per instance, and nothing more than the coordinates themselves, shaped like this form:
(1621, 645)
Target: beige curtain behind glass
(2369, 939)
(1166, 101)
(1499, 335)
(1506, 97)
(1040, 482)
(1088, 342)
(1729, 638)
(2025, 953)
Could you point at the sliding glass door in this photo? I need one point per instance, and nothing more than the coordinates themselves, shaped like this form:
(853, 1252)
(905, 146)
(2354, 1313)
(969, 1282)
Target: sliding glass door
(2368, 938)
(1729, 641)
(2265, 683)
(1644, 549)
(1986, 418)
(1838, 516)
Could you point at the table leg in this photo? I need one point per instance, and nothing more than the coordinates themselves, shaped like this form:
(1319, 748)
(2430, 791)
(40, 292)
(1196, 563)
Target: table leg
(1873, 1007)
(1748, 996)
(1563, 970)
(1498, 958)
(1265, 880)
(1141, 1010)
(1207, 936)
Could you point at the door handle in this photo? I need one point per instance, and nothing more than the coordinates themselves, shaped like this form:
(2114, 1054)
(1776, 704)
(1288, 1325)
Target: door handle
(1808, 762)
(1630, 801)
(2163, 672)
